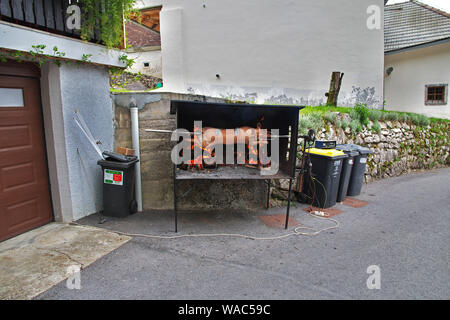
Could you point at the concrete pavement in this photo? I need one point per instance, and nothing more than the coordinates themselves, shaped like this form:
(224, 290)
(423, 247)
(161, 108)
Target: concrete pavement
(35, 261)
(405, 230)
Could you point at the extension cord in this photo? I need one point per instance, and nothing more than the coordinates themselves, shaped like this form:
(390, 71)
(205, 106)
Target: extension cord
(296, 232)
(320, 213)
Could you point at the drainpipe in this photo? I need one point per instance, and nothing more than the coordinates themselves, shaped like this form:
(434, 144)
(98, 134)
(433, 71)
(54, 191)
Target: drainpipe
(135, 139)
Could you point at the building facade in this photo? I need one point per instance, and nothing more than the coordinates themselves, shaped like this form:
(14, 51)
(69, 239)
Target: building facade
(272, 51)
(417, 49)
(48, 169)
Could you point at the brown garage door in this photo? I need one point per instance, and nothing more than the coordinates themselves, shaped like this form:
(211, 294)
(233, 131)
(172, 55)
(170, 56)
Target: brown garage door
(24, 187)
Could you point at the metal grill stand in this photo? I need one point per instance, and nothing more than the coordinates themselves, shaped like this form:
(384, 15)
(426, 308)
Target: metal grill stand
(177, 178)
(221, 115)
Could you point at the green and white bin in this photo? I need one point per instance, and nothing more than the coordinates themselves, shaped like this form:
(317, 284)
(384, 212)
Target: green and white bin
(118, 187)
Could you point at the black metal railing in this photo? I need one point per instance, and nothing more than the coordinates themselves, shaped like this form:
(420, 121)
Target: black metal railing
(47, 15)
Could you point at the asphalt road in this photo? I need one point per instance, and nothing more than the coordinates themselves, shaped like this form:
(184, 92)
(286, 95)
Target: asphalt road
(405, 231)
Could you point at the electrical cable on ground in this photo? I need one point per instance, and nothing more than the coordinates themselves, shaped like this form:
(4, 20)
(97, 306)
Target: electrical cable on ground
(326, 198)
(296, 231)
(235, 235)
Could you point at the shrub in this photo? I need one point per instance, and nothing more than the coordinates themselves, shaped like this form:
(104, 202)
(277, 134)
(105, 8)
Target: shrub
(310, 121)
(330, 117)
(354, 115)
(423, 120)
(363, 113)
(376, 127)
(359, 127)
(345, 124)
(354, 125)
(391, 116)
(403, 117)
(415, 119)
(317, 121)
(304, 124)
(375, 115)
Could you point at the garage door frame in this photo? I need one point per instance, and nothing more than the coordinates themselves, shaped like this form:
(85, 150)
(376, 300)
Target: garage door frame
(14, 69)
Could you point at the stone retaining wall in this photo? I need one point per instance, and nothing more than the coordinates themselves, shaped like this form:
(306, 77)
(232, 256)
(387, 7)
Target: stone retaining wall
(399, 147)
(156, 164)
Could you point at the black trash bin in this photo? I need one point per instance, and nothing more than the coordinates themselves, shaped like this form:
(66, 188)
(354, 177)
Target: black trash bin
(326, 172)
(347, 167)
(119, 187)
(359, 168)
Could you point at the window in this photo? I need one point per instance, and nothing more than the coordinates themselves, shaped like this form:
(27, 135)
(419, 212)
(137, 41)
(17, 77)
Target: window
(11, 97)
(436, 94)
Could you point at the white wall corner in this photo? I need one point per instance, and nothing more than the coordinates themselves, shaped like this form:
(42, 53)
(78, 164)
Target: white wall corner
(173, 50)
(56, 142)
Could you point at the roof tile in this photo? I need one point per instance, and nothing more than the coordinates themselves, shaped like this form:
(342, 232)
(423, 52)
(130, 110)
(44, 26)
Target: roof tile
(413, 23)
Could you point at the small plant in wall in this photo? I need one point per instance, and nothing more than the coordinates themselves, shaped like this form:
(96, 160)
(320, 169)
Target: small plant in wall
(128, 62)
(86, 57)
(36, 54)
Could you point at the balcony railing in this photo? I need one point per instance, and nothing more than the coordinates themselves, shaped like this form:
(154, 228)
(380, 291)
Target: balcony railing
(47, 15)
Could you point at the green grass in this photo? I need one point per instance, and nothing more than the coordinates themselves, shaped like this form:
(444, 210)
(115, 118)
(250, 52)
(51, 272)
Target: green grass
(439, 120)
(324, 109)
(379, 115)
(126, 90)
(362, 114)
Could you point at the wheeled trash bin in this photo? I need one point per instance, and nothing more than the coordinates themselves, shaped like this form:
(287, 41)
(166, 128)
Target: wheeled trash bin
(359, 168)
(326, 168)
(119, 186)
(347, 168)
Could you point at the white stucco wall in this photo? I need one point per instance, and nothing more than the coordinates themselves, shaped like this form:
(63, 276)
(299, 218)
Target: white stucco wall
(413, 70)
(152, 56)
(65, 89)
(271, 51)
(86, 88)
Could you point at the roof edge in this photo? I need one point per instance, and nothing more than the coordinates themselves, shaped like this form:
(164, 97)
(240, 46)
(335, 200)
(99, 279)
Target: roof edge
(418, 46)
(435, 10)
(142, 25)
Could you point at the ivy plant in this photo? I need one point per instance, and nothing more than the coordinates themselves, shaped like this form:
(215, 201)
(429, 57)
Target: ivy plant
(105, 17)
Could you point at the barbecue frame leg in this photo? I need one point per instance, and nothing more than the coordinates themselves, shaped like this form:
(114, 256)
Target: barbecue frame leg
(289, 204)
(175, 198)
